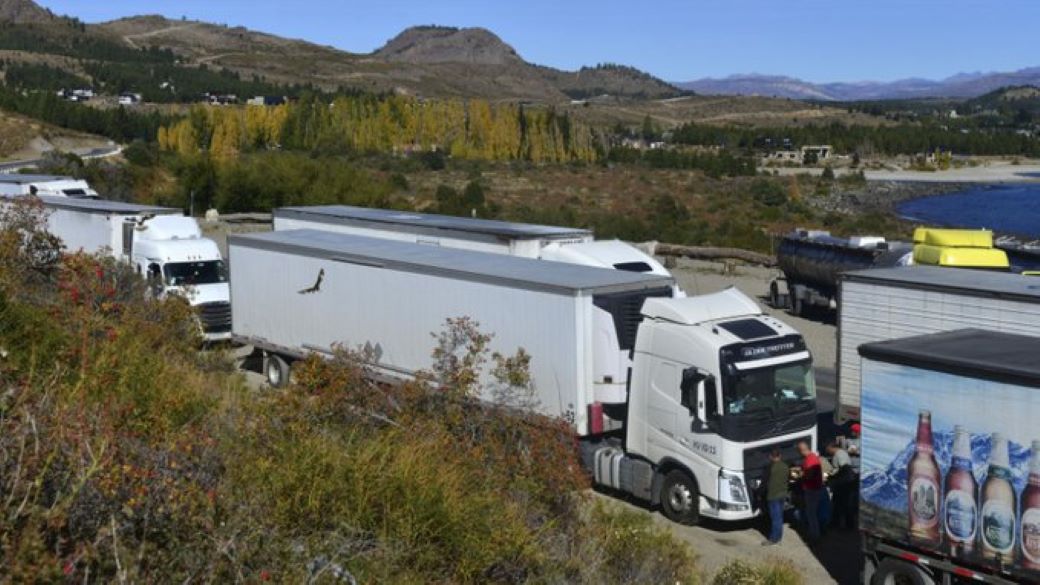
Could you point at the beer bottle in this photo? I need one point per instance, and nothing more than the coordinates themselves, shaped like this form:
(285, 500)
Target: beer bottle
(1031, 513)
(998, 506)
(923, 493)
(960, 506)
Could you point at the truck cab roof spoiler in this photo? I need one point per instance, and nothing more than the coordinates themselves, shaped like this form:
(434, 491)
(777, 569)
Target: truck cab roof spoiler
(726, 304)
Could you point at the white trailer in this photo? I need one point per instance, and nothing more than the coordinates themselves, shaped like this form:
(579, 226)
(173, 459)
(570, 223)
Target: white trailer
(546, 242)
(714, 385)
(481, 235)
(892, 303)
(53, 185)
(160, 242)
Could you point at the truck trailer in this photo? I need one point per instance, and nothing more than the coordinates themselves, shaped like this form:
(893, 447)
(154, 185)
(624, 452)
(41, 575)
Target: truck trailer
(714, 385)
(950, 477)
(161, 243)
(546, 242)
(14, 184)
(892, 303)
(812, 261)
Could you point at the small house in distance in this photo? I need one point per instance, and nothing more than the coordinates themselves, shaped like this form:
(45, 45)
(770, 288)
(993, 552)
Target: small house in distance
(219, 99)
(266, 100)
(129, 99)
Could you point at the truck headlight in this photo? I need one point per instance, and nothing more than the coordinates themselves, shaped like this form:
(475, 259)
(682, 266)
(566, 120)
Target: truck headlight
(732, 490)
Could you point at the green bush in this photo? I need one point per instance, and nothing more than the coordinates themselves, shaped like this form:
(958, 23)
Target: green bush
(773, 572)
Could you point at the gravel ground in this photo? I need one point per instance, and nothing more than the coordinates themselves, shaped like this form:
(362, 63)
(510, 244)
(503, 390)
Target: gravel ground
(698, 277)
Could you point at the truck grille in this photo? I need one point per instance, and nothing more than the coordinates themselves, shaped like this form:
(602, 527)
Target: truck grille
(215, 317)
(756, 460)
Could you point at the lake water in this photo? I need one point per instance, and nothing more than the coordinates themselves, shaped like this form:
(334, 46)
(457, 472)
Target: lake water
(1005, 208)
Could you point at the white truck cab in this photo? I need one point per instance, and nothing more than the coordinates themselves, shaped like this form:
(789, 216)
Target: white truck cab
(171, 252)
(716, 385)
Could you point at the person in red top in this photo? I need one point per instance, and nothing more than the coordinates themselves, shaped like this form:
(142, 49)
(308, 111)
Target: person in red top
(812, 488)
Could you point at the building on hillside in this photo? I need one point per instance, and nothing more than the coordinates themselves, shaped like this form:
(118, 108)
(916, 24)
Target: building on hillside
(129, 99)
(266, 100)
(76, 95)
(219, 99)
(820, 152)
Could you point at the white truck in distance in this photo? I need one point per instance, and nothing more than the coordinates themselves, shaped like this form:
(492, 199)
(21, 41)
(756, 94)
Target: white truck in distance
(545, 242)
(15, 184)
(714, 385)
(161, 243)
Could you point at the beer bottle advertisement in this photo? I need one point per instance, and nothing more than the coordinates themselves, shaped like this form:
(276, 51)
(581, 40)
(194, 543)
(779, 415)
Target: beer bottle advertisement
(998, 505)
(950, 468)
(960, 508)
(1031, 513)
(923, 491)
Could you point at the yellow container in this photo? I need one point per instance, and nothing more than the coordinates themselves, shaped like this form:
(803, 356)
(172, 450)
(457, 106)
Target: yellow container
(960, 257)
(954, 238)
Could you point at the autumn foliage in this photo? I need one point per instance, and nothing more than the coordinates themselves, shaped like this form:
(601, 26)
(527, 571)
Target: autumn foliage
(464, 129)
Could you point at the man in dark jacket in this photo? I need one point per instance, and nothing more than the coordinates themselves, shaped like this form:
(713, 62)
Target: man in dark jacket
(776, 496)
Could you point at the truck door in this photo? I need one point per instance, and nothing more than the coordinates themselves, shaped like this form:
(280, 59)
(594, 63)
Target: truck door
(128, 238)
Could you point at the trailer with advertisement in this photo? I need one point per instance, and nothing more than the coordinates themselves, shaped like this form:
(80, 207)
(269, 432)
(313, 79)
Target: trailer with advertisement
(950, 477)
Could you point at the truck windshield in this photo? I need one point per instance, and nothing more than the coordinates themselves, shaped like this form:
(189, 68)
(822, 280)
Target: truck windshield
(195, 273)
(787, 388)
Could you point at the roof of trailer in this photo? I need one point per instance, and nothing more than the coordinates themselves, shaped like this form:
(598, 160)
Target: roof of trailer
(363, 215)
(437, 260)
(962, 280)
(977, 353)
(101, 206)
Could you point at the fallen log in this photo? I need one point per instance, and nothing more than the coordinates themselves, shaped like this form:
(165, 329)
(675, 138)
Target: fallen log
(707, 253)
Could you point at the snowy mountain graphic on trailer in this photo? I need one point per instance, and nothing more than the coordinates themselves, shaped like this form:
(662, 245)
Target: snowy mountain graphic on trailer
(887, 488)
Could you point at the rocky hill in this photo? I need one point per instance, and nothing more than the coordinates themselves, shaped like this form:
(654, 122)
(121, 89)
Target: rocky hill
(425, 60)
(24, 12)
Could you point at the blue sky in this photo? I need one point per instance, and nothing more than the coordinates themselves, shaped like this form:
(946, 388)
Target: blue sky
(831, 40)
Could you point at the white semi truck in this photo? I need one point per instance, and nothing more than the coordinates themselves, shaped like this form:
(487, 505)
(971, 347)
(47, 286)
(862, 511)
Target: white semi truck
(14, 184)
(545, 242)
(892, 303)
(714, 384)
(161, 243)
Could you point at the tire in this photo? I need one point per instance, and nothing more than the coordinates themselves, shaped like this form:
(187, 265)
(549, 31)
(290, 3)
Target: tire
(277, 370)
(680, 498)
(774, 295)
(797, 306)
(893, 571)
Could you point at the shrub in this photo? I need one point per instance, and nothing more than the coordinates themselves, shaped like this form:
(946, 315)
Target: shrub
(773, 572)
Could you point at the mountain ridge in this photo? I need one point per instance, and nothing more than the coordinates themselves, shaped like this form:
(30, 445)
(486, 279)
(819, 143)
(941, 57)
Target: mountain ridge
(959, 85)
(424, 60)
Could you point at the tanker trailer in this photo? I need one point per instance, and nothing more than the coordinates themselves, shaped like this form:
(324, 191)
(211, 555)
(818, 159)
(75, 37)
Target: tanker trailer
(812, 260)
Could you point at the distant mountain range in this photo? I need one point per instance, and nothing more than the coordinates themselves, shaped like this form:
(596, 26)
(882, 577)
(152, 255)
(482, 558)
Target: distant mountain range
(962, 85)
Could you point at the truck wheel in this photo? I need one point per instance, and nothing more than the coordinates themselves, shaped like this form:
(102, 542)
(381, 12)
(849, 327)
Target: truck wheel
(680, 498)
(774, 295)
(277, 370)
(892, 571)
(797, 306)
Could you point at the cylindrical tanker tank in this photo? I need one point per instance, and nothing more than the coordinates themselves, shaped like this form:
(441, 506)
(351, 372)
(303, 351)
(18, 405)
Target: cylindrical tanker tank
(811, 262)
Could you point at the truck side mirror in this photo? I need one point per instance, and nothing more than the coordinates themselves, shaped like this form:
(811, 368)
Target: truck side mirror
(690, 394)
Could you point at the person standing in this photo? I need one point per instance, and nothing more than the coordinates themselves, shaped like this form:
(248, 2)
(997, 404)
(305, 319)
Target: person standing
(842, 482)
(812, 488)
(776, 496)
